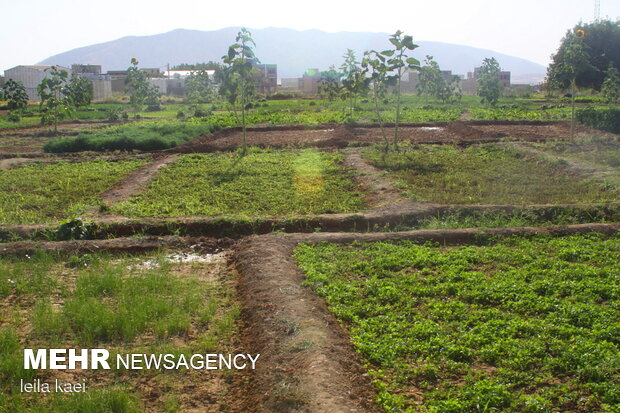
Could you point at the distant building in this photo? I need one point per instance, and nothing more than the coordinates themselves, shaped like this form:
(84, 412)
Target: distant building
(102, 83)
(266, 77)
(504, 76)
(118, 77)
(30, 76)
(310, 82)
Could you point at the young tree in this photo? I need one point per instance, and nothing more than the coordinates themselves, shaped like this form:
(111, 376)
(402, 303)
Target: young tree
(433, 82)
(398, 62)
(15, 95)
(329, 83)
(54, 105)
(611, 84)
(374, 63)
(489, 84)
(198, 87)
(79, 90)
(141, 92)
(237, 83)
(354, 82)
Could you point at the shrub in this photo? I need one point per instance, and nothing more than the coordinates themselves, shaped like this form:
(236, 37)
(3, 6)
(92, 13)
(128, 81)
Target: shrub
(607, 119)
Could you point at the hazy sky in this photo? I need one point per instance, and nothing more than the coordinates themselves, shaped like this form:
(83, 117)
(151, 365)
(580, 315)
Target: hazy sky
(32, 30)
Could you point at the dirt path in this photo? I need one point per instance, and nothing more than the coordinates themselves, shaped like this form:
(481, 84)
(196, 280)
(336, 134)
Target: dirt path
(373, 180)
(308, 362)
(136, 181)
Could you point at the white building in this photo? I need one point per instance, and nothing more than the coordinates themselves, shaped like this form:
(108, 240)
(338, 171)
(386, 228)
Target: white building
(31, 77)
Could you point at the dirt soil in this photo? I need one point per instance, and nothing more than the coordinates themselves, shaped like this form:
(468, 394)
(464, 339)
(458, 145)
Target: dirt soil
(340, 136)
(308, 362)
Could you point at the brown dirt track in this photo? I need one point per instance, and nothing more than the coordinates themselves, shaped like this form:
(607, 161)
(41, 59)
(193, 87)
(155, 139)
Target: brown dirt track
(340, 136)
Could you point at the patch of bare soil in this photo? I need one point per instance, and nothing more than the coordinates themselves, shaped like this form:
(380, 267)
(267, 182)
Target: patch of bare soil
(10, 163)
(307, 361)
(137, 180)
(340, 136)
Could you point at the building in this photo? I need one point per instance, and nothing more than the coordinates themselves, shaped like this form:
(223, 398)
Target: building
(117, 77)
(504, 76)
(266, 77)
(31, 76)
(102, 83)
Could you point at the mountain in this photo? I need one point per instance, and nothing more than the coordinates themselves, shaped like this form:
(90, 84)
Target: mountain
(293, 51)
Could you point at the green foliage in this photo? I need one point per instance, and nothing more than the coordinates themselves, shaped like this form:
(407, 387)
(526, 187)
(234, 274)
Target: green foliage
(79, 91)
(55, 106)
(140, 91)
(354, 81)
(487, 175)
(329, 83)
(611, 85)
(199, 88)
(48, 192)
(607, 119)
(435, 84)
(210, 65)
(375, 63)
(261, 183)
(142, 136)
(237, 84)
(522, 325)
(489, 84)
(15, 94)
(598, 49)
(74, 228)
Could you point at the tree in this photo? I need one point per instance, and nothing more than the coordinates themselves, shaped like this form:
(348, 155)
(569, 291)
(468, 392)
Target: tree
(601, 47)
(198, 87)
(237, 83)
(434, 83)
(141, 92)
(54, 105)
(611, 84)
(329, 83)
(15, 95)
(354, 82)
(79, 90)
(374, 63)
(398, 62)
(489, 84)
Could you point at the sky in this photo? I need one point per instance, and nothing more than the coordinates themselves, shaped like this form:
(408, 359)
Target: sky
(33, 30)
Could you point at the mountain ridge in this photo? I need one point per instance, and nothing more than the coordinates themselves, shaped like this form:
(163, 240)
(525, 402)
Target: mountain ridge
(294, 51)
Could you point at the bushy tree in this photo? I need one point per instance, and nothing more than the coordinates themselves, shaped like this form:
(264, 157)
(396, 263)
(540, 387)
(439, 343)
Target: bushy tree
(433, 83)
(330, 86)
(198, 87)
(611, 84)
(55, 106)
(374, 63)
(79, 90)
(600, 43)
(489, 83)
(237, 83)
(140, 91)
(15, 95)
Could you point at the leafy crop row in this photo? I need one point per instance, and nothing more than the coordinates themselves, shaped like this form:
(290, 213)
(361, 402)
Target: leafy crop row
(520, 325)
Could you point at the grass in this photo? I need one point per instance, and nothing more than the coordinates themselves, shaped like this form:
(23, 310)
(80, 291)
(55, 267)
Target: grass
(261, 183)
(597, 151)
(38, 193)
(487, 175)
(518, 325)
(126, 304)
(146, 136)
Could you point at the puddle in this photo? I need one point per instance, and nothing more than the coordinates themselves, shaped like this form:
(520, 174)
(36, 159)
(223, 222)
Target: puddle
(181, 258)
(431, 128)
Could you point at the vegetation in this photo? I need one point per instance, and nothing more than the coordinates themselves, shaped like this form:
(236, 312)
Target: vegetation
(140, 91)
(55, 104)
(124, 304)
(16, 98)
(611, 85)
(261, 183)
(489, 84)
(599, 42)
(487, 175)
(520, 325)
(79, 90)
(48, 192)
(237, 83)
(433, 82)
(199, 87)
(601, 118)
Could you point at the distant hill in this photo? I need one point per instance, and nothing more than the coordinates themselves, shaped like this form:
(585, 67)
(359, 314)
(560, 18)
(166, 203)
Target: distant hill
(293, 51)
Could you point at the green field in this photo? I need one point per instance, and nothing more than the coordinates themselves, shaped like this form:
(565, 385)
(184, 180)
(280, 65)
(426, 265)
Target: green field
(518, 325)
(487, 175)
(261, 183)
(126, 304)
(50, 192)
